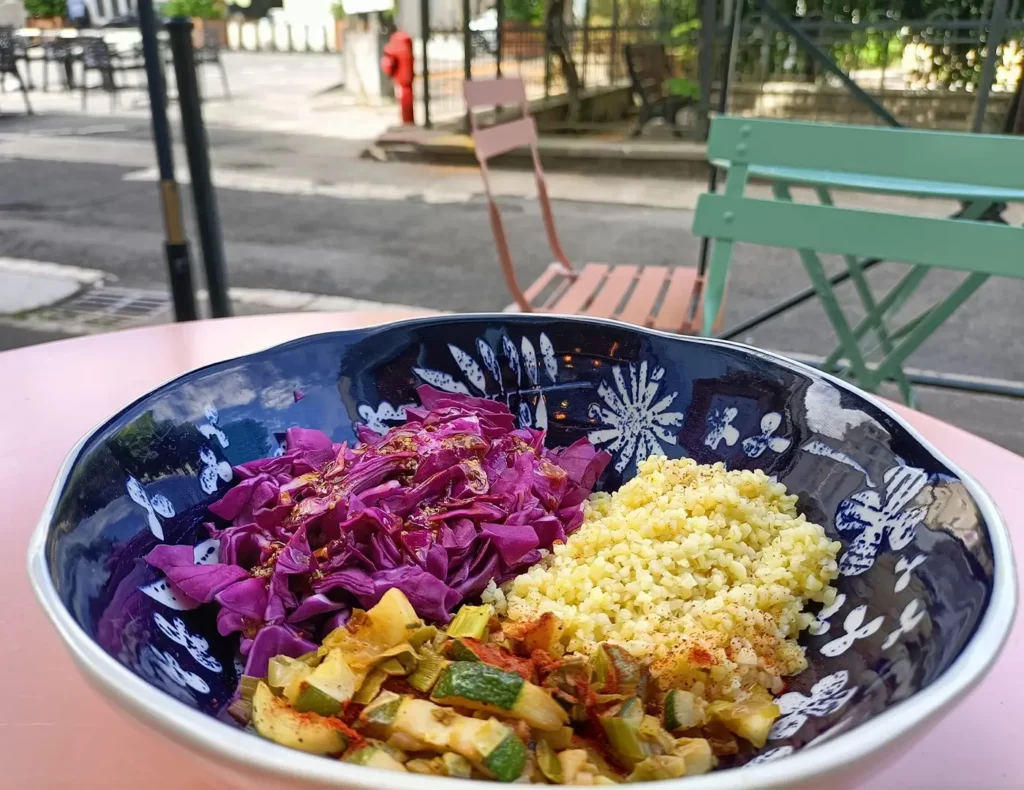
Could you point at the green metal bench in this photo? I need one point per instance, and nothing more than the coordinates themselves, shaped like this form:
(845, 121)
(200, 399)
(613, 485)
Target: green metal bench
(978, 169)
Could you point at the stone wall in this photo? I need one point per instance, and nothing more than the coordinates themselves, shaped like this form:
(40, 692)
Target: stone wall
(923, 109)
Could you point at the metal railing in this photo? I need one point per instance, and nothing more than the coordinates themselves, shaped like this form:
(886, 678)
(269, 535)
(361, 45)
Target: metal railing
(883, 54)
(265, 35)
(926, 69)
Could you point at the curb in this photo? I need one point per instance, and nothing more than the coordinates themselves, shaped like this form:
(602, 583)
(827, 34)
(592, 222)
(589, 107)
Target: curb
(671, 159)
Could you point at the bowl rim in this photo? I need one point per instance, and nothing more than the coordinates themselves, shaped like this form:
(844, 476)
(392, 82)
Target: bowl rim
(220, 742)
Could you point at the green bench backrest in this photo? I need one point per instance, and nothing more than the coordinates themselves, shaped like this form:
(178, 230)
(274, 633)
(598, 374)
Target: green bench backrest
(979, 160)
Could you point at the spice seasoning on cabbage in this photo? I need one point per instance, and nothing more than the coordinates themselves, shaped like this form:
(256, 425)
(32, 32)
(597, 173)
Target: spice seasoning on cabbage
(439, 507)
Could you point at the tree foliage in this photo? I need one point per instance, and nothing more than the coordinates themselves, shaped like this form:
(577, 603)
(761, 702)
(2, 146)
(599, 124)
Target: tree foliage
(202, 9)
(44, 9)
(943, 39)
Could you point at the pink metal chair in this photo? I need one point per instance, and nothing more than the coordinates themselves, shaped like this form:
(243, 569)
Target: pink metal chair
(654, 296)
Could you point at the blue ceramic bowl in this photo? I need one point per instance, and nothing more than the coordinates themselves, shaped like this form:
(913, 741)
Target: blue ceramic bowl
(927, 590)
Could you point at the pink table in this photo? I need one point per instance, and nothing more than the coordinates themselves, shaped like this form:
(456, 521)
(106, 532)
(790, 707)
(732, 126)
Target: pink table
(56, 732)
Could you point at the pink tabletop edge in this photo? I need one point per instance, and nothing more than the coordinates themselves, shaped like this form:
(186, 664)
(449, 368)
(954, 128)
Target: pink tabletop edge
(48, 401)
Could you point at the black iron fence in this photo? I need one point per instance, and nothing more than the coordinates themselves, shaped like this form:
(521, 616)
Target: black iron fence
(924, 71)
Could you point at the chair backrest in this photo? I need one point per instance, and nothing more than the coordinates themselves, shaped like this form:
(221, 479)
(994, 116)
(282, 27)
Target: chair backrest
(6, 48)
(96, 53)
(211, 41)
(979, 161)
(500, 138)
(649, 66)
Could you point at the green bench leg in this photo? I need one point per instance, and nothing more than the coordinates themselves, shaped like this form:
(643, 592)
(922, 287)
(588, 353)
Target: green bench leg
(928, 322)
(820, 281)
(718, 268)
(714, 283)
(870, 307)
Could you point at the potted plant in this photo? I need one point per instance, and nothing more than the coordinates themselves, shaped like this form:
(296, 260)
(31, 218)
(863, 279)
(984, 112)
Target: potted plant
(338, 12)
(205, 15)
(45, 14)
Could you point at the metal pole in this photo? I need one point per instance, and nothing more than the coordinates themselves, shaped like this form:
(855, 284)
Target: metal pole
(467, 43)
(197, 149)
(425, 68)
(586, 44)
(723, 105)
(547, 51)
(996, 30)
(706, 65)
(614, 39)
(179, 268)
(499, 41)
(1015, 119)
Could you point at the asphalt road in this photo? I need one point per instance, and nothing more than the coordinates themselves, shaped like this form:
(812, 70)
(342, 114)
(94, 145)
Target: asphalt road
(440, 254)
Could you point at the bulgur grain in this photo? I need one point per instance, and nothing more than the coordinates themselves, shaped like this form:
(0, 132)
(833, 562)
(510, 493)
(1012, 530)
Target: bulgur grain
(706, 571)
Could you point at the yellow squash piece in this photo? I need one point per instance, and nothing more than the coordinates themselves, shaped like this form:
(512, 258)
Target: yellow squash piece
(277, 721)
(327, 688)
(751, 718)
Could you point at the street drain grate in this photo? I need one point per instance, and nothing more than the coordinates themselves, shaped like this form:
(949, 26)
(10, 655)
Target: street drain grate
(108, 308)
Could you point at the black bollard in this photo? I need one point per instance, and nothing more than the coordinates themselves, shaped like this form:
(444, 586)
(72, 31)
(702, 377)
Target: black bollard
(179, 31)
(176, 249)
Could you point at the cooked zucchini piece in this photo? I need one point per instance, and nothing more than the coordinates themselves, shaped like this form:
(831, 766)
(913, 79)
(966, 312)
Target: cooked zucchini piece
(480, 686)
(659, 766)
(368, 634)
(456, 765)
(312, 658)
(548, 763)
(399, 660)
(392, 619)
(277, 721)
(625, 740)
(379, 716)
(448, 764)
(422, 725)
(751, 718)
(506, 761)
(616, 671)
(683, 711)
(422, 634)
(651, 729)
(374, 757)
(429, 670)
(557, 739)
(471, 621)
(540, 634)
(247, 687)
(697, 753)
(457, 650)
(421, 765)
(284, 675)
(328, 687)
(370, 687)
(623, 729)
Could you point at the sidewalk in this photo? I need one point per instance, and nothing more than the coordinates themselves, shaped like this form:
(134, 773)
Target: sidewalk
(297, 93)
(40, 302)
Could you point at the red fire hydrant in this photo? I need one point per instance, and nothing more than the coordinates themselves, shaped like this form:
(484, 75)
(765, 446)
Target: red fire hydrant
(397, 63)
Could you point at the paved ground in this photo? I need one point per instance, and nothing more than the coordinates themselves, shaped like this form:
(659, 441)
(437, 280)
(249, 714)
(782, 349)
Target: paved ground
(302, 211)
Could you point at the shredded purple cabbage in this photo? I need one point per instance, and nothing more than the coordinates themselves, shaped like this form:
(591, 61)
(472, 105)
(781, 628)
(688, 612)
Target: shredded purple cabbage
(437, 507)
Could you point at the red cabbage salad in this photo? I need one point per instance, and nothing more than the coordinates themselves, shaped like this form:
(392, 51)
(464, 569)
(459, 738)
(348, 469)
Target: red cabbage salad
(437, 508)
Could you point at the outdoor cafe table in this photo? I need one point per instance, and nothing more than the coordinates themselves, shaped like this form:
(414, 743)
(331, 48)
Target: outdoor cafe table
(57, 732)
